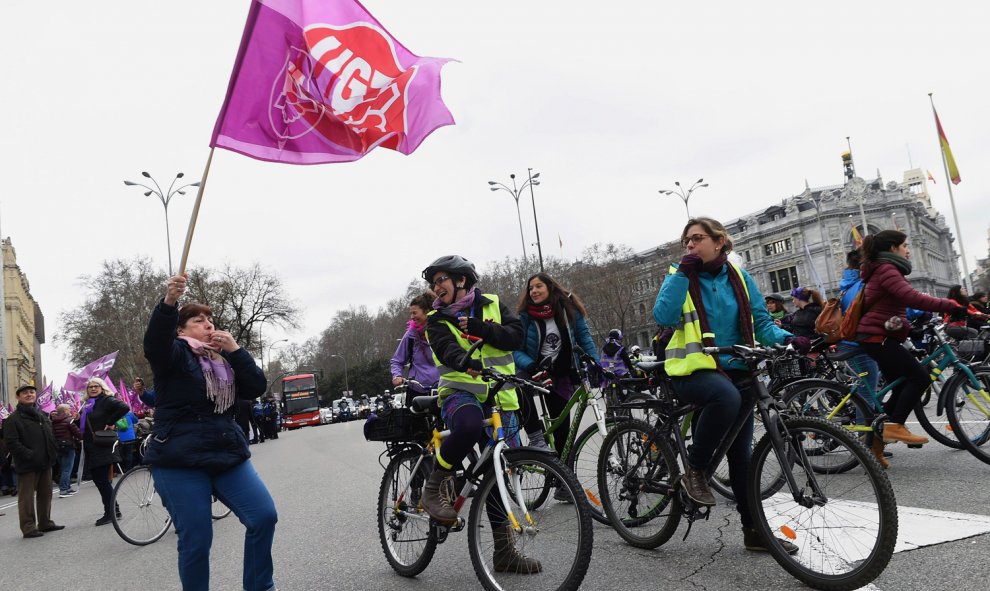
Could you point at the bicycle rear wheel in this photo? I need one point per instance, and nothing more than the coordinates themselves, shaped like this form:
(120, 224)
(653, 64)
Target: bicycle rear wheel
(584, 459)
(404, 529)
(844, 524)
(560, 536)
(934, 424)
(968, 408)
(218, 509)
(638, 485)
(821, 399)
(143, 518)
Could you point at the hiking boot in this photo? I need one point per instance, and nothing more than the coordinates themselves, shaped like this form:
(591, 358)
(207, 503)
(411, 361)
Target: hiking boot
(538, 441)
(507, 559)
(877, 449)
(435, 503)
(753, 541)
(696, 486)
(894, 432)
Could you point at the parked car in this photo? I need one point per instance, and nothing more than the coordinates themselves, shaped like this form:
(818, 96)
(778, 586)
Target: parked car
(326, 416)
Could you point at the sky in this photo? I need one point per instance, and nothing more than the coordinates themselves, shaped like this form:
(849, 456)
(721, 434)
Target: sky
(609, 102)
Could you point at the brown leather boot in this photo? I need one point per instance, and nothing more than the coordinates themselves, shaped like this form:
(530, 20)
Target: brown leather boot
(877, 449)
(893, 432)
(436, 504)
(696, 486)
(507, 559)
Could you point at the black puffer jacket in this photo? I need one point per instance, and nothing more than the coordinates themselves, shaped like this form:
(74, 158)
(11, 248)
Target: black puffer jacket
(802, 322)
(28, 435)
(106, 411)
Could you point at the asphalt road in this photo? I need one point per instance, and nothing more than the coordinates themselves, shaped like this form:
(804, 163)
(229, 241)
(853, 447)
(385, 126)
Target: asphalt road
(325, 480)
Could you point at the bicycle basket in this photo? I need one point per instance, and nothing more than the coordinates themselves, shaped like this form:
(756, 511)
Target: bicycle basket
(397, 424)
(971, 347)
(792, 368)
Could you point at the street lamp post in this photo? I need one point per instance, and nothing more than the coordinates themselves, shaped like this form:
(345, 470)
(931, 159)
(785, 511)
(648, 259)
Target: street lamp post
(516, 191)
(685, 197)
(344, 359)
(165, 197)
(270, 347)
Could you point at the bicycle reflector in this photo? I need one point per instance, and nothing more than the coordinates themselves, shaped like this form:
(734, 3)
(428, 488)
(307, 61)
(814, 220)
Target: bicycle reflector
(788, 532)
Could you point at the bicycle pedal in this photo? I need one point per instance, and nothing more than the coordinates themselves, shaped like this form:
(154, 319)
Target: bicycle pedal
(458, 526)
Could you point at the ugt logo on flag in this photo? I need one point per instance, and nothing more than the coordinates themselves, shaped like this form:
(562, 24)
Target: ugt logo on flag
(341, 86)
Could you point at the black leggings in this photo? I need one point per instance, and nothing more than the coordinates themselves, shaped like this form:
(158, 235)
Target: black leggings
(101, 478)
(895, 361)
(555, 405)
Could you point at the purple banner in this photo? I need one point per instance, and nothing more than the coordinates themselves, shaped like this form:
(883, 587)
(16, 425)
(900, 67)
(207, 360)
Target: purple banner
(75, 382)
(319, 81)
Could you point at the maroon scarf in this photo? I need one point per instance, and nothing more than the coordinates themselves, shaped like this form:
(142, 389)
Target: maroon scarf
(713, 268)
(542, 311)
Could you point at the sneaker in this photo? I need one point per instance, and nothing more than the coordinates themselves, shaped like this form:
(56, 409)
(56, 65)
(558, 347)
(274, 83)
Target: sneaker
(64, 494)
(753, 541)
(103, 520)
(538, 441)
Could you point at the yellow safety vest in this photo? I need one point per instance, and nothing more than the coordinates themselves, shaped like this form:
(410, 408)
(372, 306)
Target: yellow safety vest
(684, 352)
(452, 380)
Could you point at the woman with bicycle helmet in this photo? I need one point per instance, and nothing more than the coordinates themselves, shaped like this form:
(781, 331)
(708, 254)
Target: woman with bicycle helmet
(461, 315)
(196, 449)
(712, 302)
(556, 331)
(883, 327)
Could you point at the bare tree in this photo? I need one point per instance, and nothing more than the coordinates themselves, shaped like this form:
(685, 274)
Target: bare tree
(604, 279)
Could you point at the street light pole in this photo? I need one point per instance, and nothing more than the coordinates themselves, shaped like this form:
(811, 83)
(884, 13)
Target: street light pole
(516, 191)
(166, 198)
(685, 197)
(533, 180)
(270, 347)
(344, 359)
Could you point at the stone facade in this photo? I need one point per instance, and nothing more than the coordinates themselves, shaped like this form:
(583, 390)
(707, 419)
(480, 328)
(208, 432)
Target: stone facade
(803, 241)
(23, 326)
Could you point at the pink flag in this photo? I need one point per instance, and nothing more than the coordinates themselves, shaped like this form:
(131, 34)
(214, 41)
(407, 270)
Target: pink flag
(75, 382)
(4, 411)
(45, 402)
(318, 81)
(126, 396)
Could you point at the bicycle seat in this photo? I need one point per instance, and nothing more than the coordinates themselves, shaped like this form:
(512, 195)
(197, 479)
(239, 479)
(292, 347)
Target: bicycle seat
(843, 355)
(649, 365)
(424, 404)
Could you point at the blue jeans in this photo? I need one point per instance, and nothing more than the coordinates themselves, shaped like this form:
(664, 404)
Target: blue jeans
(65, 461)
(187, 492)
(722, 400)
(863, 363)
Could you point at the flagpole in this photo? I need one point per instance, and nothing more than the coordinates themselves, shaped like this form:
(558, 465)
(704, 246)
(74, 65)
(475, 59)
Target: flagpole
(952, 200)
(195, 214)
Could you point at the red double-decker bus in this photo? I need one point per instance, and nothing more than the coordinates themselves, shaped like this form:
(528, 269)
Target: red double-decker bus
(302, 407)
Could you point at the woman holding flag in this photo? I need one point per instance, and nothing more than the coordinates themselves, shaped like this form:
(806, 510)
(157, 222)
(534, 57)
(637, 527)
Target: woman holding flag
(196, 449)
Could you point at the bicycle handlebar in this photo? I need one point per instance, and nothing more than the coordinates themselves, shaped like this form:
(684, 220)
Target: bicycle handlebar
(751, 353)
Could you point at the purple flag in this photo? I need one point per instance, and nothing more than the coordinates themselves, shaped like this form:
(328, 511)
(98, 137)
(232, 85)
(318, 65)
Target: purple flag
(45, 402)
(319, 81)
(124, 395)
(75, 382)
(4, 411)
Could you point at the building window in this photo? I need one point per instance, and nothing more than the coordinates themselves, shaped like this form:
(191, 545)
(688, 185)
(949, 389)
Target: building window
(778, 247)
(749, 259)
(783, 279)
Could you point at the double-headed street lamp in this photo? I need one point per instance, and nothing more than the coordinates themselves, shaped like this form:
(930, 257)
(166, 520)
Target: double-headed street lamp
(165, 197)
(516, 191)
(270, 347)
(685, 197)
(347, 388)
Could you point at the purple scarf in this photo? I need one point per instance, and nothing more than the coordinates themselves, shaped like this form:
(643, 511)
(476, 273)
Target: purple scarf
(460, 305)
(87, 408)
(217, 372)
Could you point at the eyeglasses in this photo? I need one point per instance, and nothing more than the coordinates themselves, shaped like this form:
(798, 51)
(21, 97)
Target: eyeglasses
(439, 280)
(697, 238)
(91, 386)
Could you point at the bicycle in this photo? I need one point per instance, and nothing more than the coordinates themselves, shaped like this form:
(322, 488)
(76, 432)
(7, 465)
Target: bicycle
(843, 403)
(844, 526)
(144, 518)
(502, 484)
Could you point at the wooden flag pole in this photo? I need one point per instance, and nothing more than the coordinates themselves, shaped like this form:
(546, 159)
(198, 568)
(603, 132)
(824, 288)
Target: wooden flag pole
(195, 214)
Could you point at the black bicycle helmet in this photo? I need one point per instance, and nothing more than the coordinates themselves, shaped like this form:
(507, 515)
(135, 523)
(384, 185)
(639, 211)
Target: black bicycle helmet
(454, 264)
(615, 334)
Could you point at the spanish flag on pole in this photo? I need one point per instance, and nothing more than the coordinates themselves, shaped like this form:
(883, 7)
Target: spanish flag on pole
(949, 160)
(857, 239)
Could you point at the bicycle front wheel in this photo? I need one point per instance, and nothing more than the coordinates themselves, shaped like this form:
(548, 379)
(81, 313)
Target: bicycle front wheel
(558, 537)
(968, 408)
(404, 528)
(934, 424)
(143, 518)
(638, 485)
(844, 524)
(584, 458)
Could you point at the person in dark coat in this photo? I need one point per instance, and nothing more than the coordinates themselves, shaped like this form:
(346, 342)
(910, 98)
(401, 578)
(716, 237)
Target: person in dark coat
(100, 412)
(67, 434)
(807, 306)
(28, 435)
(196, 449)
(884, 326)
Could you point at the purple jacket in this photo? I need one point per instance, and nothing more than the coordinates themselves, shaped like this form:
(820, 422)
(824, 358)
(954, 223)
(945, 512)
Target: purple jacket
(888, 294)
(422, 368)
